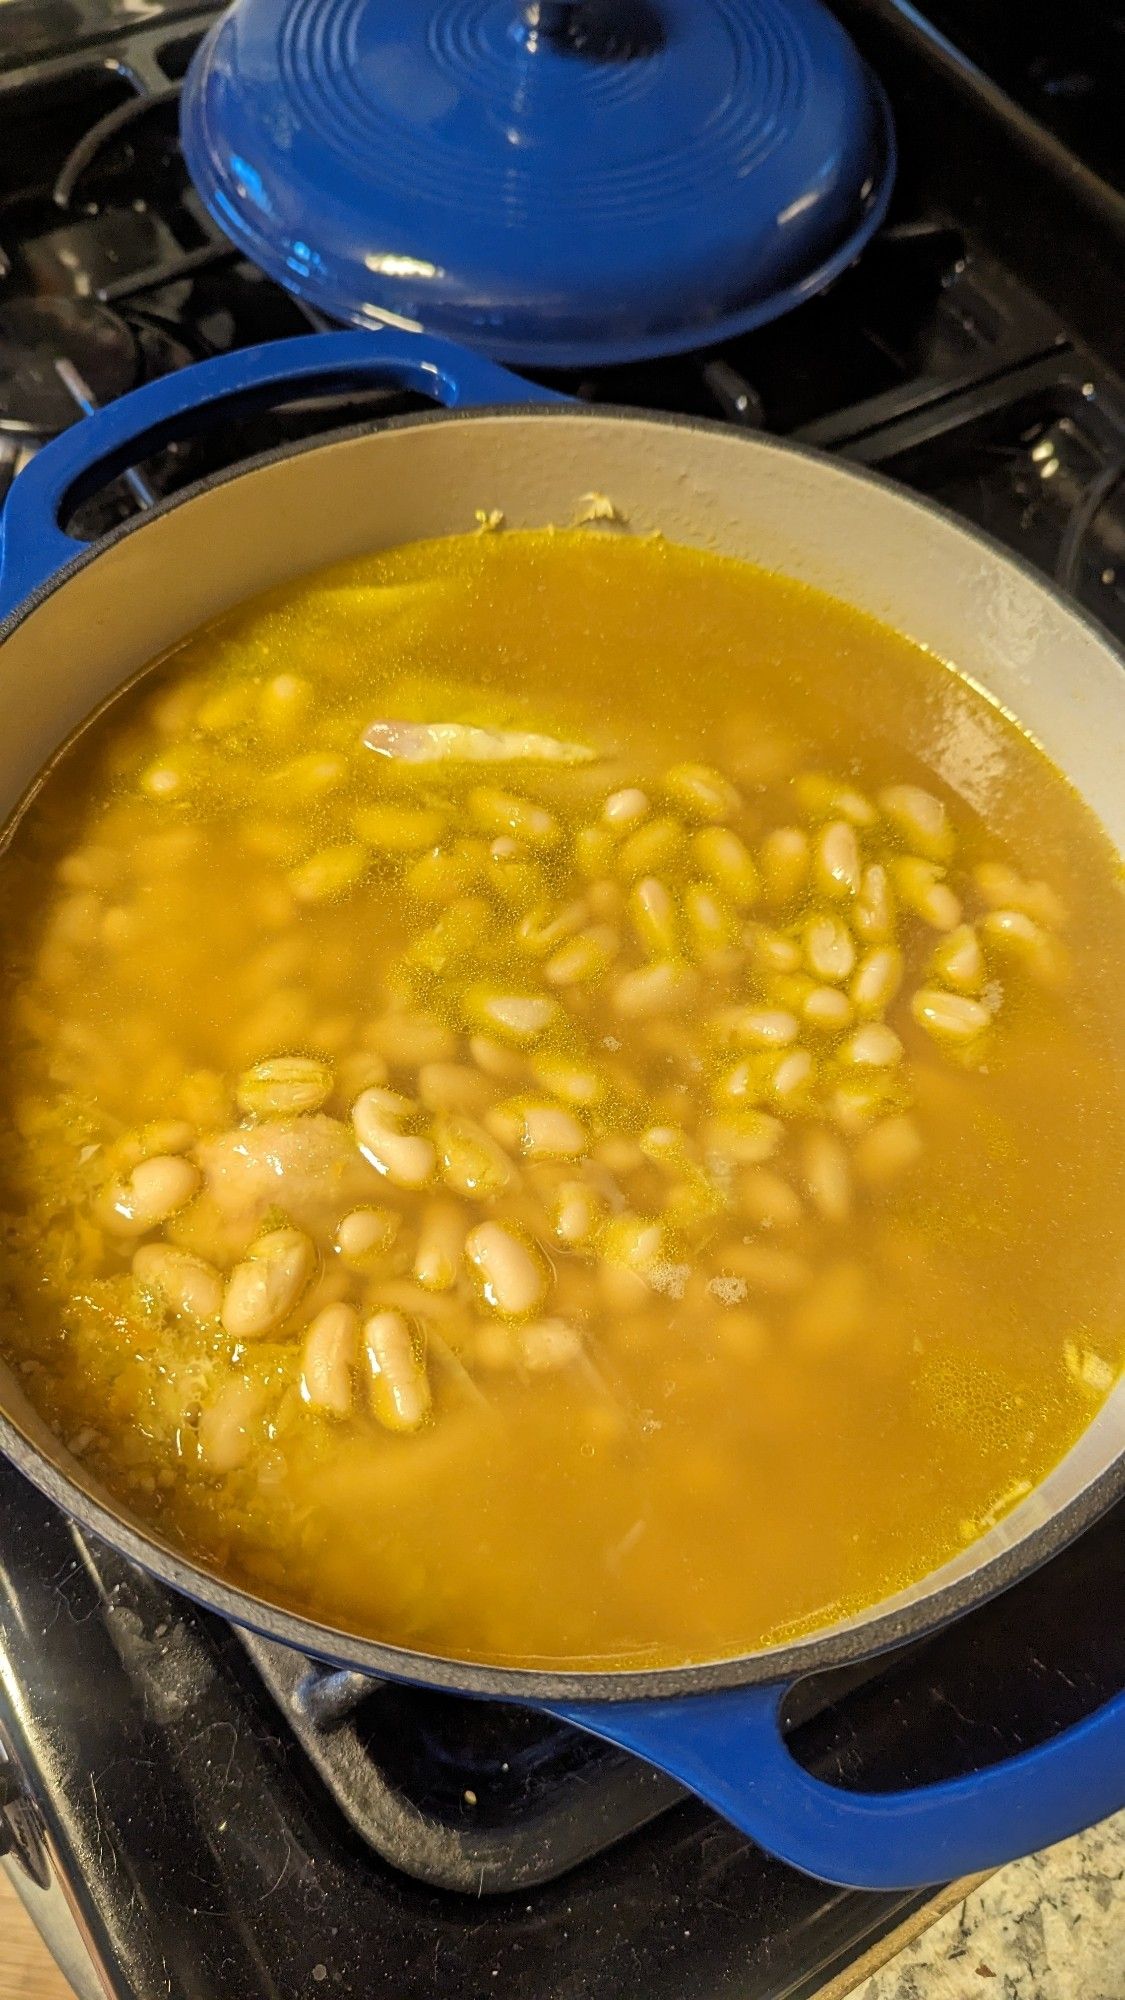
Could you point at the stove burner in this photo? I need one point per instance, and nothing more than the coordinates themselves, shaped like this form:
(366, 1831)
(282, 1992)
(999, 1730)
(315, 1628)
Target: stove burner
(34, 334)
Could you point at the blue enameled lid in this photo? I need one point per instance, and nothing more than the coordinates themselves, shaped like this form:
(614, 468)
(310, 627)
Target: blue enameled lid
(559, 185)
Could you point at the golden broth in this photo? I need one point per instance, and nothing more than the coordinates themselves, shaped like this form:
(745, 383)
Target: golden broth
(780, 1283)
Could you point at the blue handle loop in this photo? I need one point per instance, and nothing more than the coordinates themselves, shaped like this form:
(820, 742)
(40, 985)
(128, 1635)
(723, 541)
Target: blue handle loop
(33, 544)
(729, 1749)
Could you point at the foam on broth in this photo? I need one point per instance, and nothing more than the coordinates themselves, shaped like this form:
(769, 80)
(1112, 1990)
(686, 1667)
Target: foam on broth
(813, 1288)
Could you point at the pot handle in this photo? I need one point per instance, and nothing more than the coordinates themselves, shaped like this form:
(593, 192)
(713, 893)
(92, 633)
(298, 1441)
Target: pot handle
(728, 1748)
(33, 544)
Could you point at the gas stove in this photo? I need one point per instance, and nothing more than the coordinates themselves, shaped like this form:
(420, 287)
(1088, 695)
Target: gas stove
(193, 1811)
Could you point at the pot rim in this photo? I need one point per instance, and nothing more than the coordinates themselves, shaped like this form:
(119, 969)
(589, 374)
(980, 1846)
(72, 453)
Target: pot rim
(864, 1636)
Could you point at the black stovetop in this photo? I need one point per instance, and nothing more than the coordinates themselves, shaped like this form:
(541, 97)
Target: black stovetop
(193, 1814)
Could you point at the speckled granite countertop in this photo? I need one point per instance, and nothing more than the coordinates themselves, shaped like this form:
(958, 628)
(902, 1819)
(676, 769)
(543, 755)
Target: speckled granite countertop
(1048, 1928)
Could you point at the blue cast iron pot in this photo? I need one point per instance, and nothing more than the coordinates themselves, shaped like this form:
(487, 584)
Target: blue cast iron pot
(81, 620)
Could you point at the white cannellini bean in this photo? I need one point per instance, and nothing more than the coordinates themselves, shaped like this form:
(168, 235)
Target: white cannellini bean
(958, 960)
(757, 1027)
(873, 913)
(702, 792)
(826, 1174)
(791, 1073)
(188, 1285)
(837, 868)
(445, 1086)
(284, 1085)
(584, 957)
(1003, 889)
(547, 1344)
(263, 1290)
(728, 861)
(509, 1270)
(654, 918)
(661, 988)
(625, 809)
(921, 888)
(441, 1241)
(829, 949)
(227, 1424)
(578, 1213)
(949, 1017)
(825, 797)
(328, 1359)
(400, 1387)
(472, 1163)
(508, 812)
(740, 1139)
(874, 1045)
(771, 951)
(541, 930)
(407, 1160)
(785, 863)
(826, 1009)
(156, 1189)
(367, 1233)
(571, 1081)
(711, 926)
(877, 979)
(887, 1150)
(546, 1131)
(1015, 935)
(518, 1018)
(920, 818)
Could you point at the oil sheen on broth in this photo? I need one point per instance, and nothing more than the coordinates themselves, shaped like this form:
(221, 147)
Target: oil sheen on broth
(537, 1207)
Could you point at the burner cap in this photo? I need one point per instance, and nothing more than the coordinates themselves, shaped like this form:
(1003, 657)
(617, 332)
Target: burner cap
(560, 185)
(34, 334)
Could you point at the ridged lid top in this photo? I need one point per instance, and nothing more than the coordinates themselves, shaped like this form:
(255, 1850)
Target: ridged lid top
(559, 185)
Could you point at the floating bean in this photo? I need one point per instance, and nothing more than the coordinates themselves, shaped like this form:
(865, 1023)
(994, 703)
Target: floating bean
(508, 812)
(837, 868)
(365, 1235)
(399, 829)
(625, 809)
(406, 1159)
(441, 1242)
(284, 1085)
(654, 919)
(921, 888)
(156, 1189)
(702, 792)
(471, 1162)
(724, 857)
(330, 873)
(264, 1289)
(188, 1285)
(920, 818)
(653, 847)
(400, 1389)
(873, 913)
(826, 1174)
(584, 958)
(328, 1359)
(229, 1422)
(950, 1017)
(957, 960)
(661, 988)
(828, 948)
(518, 1018)
(510, 1272)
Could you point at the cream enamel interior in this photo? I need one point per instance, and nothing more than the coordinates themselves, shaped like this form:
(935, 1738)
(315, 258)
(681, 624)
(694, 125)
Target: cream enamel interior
(806, 516)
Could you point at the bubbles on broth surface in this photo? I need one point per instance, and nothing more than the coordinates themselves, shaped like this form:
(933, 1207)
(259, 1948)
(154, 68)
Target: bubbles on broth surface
(538, 1125)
